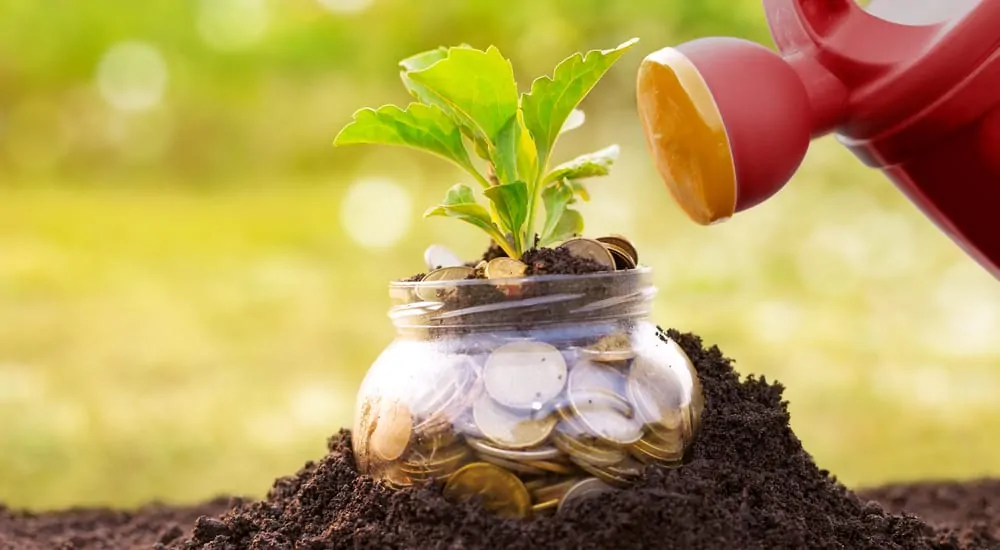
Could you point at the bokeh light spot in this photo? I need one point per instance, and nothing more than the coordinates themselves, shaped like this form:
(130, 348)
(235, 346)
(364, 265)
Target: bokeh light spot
(346, 6)
(376, 213)
(232, 24)
(132, 76)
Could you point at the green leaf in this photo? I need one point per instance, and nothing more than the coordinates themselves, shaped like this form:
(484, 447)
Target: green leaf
(419, 127)
(420, 62)
(570, 225)
(511, 203)
(551, 100)
(460, 203)
(479, 86)
(580, 190)
(555, 197)
(423, 60)
(514, 157)
(590, 165)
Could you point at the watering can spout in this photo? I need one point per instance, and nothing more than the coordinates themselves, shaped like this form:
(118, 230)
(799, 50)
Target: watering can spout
(728, 121)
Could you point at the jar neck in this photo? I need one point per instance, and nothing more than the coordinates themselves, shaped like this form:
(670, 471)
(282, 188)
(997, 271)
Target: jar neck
(516, 305)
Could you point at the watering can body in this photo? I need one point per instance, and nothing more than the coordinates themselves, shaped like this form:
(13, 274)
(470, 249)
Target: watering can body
(911, 93)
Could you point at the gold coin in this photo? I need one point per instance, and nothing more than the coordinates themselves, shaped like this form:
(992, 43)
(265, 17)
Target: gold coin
(511, 465)
(430, 293)
(437, 256)
(588, 382)
(553, 491)
(392, 431)
(660, 381)
(545, 507)
(621, 242)
(540, 453)
(498, 490)
(510, 429)
(659, 449)
(524, 374)
(505, 268)
(603, 474)
(582, 490)
(613, 348)
(622, 260)
(554, 467)
(591, 250)
(592, 452)
(396, 477)
(363, 428)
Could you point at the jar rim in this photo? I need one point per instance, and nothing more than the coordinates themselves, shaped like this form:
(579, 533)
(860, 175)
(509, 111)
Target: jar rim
(609, 275)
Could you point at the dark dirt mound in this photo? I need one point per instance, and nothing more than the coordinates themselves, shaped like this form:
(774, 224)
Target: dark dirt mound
(749, 484)
(103, 529)
(971, 509)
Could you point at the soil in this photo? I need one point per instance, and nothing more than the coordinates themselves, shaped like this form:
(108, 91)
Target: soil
(747, 483)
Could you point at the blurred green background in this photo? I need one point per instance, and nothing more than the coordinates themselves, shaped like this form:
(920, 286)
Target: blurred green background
(193, 282)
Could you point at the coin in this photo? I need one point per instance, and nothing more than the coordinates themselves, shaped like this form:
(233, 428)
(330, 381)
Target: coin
(603, 474)
(392, 431)
(591, 250)
(505, 268)
(591, 452)
(436, 380)
(545, 507)
(588, 381)
(510, 429)
(437, 256)
(539, 453)
(430, 294)
(524, 374)
(497, 489)
(551, 466)
(659, 448)
(553, 491)
(511, 465)
(588, 488)
(622, 243)
(363, 427)
(656, 383)
(622, 260)
(612, 348)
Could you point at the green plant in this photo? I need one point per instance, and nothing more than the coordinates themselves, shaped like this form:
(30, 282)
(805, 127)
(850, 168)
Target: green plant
(468, 99)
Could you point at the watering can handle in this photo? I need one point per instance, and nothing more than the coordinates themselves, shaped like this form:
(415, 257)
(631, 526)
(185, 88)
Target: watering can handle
(800, 24)
(854, 44)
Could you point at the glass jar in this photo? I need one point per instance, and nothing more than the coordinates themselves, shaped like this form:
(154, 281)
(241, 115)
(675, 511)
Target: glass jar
(526, 394)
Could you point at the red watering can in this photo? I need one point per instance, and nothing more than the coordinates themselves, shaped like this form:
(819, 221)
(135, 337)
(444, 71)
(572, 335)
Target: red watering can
(912, 87)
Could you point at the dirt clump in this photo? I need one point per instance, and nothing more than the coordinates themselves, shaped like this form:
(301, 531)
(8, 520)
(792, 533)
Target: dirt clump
(748, 484)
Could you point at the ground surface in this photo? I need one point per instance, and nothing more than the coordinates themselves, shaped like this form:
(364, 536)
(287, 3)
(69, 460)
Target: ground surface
(747, 482)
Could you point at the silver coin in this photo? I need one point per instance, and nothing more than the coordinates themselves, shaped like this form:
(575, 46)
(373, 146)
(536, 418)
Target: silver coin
(437, 256)
(592, 390)
(588, 488)
(522, 455)
(524, 374)
(510, 429)
(660, 382)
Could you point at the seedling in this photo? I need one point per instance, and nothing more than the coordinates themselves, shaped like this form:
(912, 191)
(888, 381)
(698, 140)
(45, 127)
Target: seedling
(467, 100)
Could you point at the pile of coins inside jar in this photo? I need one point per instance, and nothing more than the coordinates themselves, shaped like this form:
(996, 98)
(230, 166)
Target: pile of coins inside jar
(527, 429)
(614, 252)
